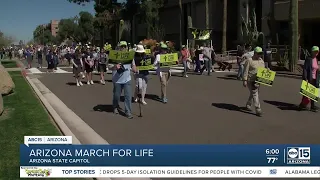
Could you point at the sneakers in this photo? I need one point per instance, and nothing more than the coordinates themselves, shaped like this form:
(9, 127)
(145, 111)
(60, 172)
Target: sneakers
(259, 113)
(314, 109)
(143, 102)
(185, 76)
(116, 111)
(247, 108)
(165, 100)
(91, 82)
(88, 82)
(80, 83)
(102, 82)
(302, 108)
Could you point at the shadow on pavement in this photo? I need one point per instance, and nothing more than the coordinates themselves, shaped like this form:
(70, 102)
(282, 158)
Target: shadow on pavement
(71, 83)
(229, 77)
(147, 96)
(107, 108)
(283, 105)
(153, 97)
(231, 107)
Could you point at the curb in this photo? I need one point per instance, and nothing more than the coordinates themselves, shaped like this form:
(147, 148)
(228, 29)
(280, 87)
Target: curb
(60, 123)
(97, 139)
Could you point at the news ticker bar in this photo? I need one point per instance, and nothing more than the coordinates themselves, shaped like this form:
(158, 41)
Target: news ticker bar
(169, 172)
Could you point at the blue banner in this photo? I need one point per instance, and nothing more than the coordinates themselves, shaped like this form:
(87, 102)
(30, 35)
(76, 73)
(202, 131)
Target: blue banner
(170, 155)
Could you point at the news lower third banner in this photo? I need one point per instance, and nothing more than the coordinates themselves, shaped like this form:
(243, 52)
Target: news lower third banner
(57, 157)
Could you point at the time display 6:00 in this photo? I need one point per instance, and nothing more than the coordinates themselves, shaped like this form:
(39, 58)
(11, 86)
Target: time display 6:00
(272, 151)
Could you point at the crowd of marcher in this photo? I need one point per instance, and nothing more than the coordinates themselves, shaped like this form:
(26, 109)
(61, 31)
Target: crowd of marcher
(86, 59)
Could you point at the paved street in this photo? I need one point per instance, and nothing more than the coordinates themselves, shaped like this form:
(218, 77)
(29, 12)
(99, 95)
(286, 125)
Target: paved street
(201, 110)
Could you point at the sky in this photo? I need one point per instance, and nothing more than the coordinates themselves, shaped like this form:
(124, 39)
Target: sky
(18, 18)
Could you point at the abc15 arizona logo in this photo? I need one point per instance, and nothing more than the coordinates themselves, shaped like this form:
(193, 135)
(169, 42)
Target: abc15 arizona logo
(298, 155)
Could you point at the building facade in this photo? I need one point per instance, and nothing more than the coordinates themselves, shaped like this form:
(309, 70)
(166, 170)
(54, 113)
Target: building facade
(196, 9)
(238, 10)
(54, 27)
(309, 21)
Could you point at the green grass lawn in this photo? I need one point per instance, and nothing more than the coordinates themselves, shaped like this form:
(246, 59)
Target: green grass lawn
(9, 64)
(24, 115)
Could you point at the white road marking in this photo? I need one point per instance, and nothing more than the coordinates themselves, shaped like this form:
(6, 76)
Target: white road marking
(35, 71)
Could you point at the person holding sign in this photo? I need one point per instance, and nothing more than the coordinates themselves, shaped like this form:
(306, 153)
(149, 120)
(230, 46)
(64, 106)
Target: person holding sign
(121, 78)
(143, 64)
(163, 72)
(249, 77)
(310, 75)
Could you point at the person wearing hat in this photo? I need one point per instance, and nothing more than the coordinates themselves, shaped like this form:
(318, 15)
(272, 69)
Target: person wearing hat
(123, 46)
(249, 76)
(141, 76)
(310, 74)
(163, 73)
(121, 78)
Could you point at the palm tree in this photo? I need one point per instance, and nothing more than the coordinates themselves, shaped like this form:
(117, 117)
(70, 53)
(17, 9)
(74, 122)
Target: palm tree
(294, 20)
(224, 28)
(207, 14)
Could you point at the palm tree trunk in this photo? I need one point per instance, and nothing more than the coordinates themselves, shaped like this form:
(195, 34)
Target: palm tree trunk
(180, 22)
(207, 14)
(294, 20)
(273, 28)
(224, 28)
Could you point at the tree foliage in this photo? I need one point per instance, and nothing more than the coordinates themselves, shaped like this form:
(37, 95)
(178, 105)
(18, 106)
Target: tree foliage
(42, 35)
(131, 8)
(108, 12)
(5, 40)
(80, 2)
(85, 29)
(150, 10)
(67, 29)
(77, 29)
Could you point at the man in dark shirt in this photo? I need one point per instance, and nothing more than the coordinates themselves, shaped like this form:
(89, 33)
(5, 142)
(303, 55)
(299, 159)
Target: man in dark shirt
(39, 55)
(267, 56)
(68, 57)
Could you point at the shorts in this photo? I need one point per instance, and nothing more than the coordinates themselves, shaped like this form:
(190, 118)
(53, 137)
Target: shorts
(88, 68)
(77, 70)
(102, 67)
